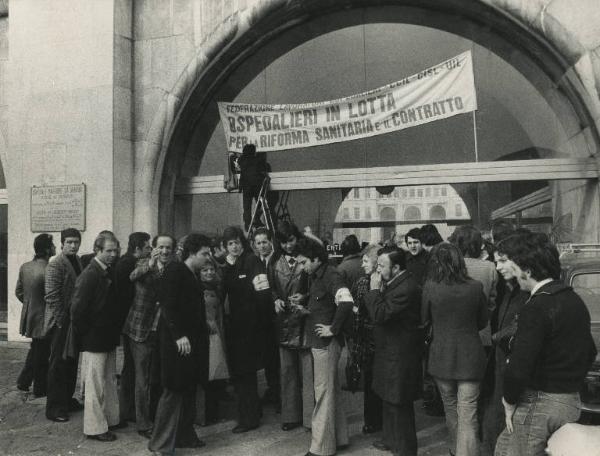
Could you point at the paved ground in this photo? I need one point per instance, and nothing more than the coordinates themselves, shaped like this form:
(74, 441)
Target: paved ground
(24, 430)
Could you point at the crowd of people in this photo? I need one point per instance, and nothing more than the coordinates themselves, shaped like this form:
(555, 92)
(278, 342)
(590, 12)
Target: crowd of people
(489, 327)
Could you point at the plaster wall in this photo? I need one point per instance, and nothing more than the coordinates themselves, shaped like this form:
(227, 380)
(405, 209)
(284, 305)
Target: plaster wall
(61, 105)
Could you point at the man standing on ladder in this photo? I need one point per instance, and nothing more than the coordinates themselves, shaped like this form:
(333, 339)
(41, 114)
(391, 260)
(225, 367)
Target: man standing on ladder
(253, 171)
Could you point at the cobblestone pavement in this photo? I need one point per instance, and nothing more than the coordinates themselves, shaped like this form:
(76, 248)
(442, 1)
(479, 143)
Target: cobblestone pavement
(24, 430)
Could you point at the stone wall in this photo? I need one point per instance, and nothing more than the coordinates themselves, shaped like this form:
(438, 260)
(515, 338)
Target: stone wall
(174, 42)
(60, 116)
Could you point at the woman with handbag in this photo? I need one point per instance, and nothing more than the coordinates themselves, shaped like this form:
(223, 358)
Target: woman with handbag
(362, 345)
(458, 309)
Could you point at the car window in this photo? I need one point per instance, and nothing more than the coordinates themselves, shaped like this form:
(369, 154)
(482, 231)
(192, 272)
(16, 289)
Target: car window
(587, 286)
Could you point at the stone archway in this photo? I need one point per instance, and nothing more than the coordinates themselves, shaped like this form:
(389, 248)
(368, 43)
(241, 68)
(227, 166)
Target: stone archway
(543, 31)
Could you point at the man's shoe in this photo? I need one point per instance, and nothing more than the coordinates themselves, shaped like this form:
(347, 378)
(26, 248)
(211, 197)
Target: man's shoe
(75, 405)
(146, 433)
(58, 418)
(381, 446)
(239, 429)
(289, 426)
(106, 437)
(370, 429)
(119, 425)
(310, 454)
(342, 447)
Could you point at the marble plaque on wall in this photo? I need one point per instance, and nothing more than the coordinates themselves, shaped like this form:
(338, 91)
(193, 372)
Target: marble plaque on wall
(56, 207)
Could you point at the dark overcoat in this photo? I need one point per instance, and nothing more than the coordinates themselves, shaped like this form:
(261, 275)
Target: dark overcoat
(250, 313)
(395, 312)
(30, 291)
(94, 311)
(182, 313)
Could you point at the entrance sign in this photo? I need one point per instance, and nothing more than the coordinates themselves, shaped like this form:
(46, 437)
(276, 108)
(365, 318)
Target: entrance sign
(439, 92)
(57, 207)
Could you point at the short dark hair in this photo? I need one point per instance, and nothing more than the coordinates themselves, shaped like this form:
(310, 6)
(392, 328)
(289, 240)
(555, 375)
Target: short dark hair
(249, 149)
(501, 229)
(414, 233)
(101, 239)
(430, 235)
(311, 249)
(234, 232)
(286, 230)
(396, 256)
(262, 230)
(69, 232)
(137, 240)
(173, 240)
(468, 239)
(193, 243)
(532, 252)
(41, 244)
(350, 245)
(446, 265)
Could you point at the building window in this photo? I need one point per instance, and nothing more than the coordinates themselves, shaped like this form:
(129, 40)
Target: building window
(444, 191)
(346, 213)
(357, 193)
(396, 193)
(436, 191)
(367, 193)
(420, 193)
(412, 192)
(437, 213)
(428, 192)
(458, 210)
(368, 213)
(357, 213)
(412, 213)
(404, 193)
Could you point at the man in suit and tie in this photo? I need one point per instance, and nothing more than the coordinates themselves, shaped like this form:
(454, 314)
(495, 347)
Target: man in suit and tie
(97, 322)
(61, 275)
(263, 245)
(30, 291)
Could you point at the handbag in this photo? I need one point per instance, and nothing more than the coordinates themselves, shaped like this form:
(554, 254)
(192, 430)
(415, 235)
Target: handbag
(217, 361)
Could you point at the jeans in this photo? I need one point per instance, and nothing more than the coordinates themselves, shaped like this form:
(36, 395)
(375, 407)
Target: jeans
(460, 403)
(537, 416)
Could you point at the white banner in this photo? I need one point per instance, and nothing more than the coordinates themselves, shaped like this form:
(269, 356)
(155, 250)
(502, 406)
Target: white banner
(439, 92)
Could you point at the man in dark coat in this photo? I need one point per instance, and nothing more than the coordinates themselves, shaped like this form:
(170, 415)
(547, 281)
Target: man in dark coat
(263, 246)
(394, 306)
(96, 326)
(183, 345)
(417, 256)
(250, 306)
(61, 274)
(30, 291)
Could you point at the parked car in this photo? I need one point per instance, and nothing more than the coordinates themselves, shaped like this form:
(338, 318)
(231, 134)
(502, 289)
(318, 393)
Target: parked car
(581, 270)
